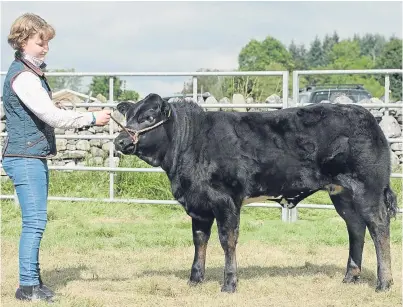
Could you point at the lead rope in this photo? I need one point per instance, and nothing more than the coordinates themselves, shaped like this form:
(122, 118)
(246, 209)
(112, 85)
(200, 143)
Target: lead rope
(135, 138)
(135, 135)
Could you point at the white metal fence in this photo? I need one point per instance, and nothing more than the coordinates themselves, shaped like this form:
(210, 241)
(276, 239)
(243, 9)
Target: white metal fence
(286, 214)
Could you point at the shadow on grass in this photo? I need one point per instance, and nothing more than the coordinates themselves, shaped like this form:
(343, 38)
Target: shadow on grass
(59, 278)
(250, 272)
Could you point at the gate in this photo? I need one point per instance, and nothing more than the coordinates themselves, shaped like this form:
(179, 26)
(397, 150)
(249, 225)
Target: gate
(288, 215)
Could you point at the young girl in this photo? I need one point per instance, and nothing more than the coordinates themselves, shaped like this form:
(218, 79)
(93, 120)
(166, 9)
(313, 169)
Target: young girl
(31, 118)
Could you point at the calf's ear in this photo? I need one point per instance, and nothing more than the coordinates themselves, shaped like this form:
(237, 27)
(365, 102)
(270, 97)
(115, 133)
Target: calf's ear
(123, 107)
(165, 108)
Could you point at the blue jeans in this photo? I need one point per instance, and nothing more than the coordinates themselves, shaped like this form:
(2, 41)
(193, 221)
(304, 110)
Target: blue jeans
(31, 181)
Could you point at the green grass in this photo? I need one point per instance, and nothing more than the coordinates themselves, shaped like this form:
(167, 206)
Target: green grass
(85, 226)
(96, 184)
(141, 185)
(120, 254)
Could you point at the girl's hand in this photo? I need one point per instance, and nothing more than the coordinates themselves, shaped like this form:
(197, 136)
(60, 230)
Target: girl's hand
(102, 117)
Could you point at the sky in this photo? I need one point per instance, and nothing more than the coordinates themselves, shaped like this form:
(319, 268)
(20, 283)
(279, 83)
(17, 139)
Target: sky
(133, 36)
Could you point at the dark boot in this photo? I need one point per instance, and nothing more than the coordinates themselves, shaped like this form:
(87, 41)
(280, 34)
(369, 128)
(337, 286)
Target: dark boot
(32, 293)
(44, 288)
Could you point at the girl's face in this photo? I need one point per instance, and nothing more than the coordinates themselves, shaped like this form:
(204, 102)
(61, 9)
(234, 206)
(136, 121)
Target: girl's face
(36, 47)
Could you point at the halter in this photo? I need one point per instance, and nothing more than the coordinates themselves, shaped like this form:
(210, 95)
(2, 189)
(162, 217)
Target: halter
(134, 134)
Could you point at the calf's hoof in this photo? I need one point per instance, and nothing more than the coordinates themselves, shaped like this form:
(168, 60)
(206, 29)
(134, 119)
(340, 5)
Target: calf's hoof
(230, 288)
(384, 286)
(195, 279)
(350, 279)
(194, 283)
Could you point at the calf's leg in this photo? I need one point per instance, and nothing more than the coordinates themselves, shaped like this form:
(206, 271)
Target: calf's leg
(377, 220)
(228, 231)
(343, 204)
(201, 234)
(369, 203)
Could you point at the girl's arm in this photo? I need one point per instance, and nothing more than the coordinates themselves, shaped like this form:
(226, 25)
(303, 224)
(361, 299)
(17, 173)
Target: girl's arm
(29, 89)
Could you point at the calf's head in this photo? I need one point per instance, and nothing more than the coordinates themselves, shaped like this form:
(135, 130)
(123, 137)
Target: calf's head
(151, 113)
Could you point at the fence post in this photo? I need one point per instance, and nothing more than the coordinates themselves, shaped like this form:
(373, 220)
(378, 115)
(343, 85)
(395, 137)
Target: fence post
(295, 87)
(194, 89)
(287, 215)
(285, 89)
(387, 87)
(111, 145)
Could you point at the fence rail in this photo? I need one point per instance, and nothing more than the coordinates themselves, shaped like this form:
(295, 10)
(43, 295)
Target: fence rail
(165, 202)
(289, 215)
(386, 72)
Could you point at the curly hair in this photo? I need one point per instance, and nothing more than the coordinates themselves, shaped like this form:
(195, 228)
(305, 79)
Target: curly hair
(25, 27)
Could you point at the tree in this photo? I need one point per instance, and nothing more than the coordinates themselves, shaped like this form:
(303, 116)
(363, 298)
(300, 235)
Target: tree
(129, 95)
(327, 47)
(335, 37)
(58, 83)
(259, 55)
(298, 55)
(269, 54)
(249, 86)
(257, 87)
(371, 45)
(391, 58)
(345, 48)
(315, 56)
(262, 87)
(215, 85)
(347, 55)
(293, 49)
(100, 85)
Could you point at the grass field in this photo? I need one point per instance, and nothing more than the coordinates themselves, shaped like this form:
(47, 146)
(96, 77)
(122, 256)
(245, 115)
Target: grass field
(99, 254)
